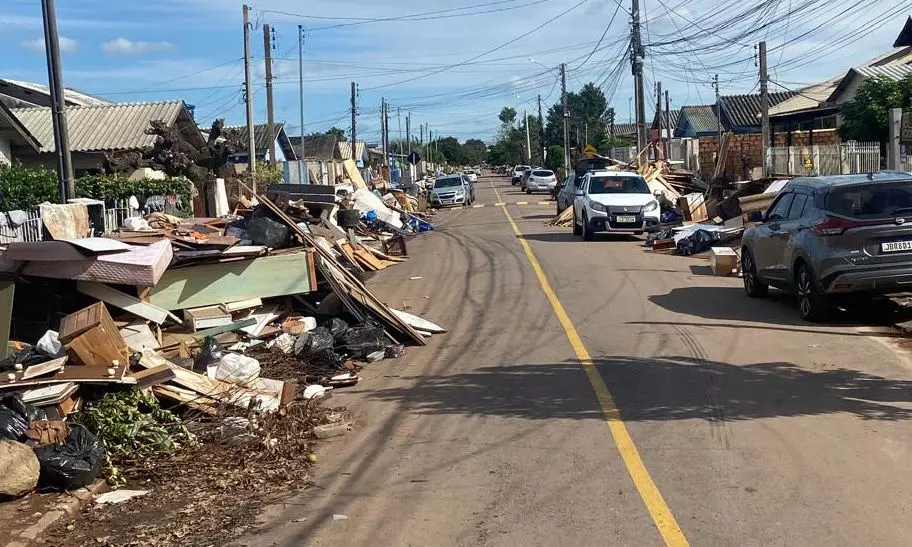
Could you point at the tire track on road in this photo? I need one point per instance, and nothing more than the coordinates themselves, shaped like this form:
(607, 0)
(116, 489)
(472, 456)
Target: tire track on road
(720, 430)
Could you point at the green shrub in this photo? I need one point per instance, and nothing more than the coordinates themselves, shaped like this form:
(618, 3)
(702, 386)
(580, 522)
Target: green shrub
(24, 187)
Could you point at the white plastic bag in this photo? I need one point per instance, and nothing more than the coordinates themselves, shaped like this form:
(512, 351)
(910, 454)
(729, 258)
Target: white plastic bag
(235, 368)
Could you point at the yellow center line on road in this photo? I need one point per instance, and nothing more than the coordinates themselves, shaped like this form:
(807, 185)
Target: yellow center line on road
(659, 511)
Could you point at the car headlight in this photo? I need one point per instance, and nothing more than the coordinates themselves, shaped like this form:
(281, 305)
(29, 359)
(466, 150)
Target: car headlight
(651, 206)
(596, 206)
(460, 192)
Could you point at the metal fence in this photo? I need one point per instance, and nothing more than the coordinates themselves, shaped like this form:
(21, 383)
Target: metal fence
(843, 159)
(104, 220)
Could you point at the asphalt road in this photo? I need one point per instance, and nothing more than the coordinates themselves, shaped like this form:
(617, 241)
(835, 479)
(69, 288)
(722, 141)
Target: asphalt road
(725, 421)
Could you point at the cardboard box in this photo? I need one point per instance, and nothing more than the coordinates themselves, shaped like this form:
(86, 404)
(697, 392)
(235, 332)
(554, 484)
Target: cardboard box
(723, 261)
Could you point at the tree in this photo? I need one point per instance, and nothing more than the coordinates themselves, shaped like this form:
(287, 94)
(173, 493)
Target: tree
(507, 115)
(449, 148)
(473, 152)
(866, 117)
(555, 159)
(338, 133)
(587, 109)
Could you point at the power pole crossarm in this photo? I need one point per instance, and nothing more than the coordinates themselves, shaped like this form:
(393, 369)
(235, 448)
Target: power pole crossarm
(270, 113)
(248, 97)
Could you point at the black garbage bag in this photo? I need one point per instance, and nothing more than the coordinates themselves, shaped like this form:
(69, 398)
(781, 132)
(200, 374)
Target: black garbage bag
(361, 340)
(316, 348)
(265, 230)
(26, 357)
(211, 353)
(16, 415)
(336, 326)
(73, 464)
(697, 242)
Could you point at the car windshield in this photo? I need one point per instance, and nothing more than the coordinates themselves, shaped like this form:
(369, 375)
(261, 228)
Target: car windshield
(448, 182)
(872, 201)
(543, 173)
(521, 168)
(618, 185)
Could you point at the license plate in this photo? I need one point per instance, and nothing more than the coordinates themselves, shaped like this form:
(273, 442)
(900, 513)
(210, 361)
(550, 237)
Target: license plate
(896, 246)
(625, 219)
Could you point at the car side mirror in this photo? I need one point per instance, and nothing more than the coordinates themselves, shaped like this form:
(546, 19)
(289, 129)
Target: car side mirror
(580, 193)
(658, 194)
(755, 216)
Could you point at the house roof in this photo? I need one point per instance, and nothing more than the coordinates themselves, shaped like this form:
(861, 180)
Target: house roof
(743, 111)
(892, 71)
(9, 124)
(261, 137)
(22, 91)
(701, 119)
(344, 149)
(807, 98)
(661, 124)
(107, 127)
(624, 129)
(905, 35)
(318, 147)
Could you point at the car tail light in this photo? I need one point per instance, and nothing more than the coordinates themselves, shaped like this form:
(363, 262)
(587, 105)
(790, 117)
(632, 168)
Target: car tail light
(834, 226)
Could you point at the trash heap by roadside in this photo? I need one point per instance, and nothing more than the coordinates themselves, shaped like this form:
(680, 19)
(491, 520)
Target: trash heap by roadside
(218, 319)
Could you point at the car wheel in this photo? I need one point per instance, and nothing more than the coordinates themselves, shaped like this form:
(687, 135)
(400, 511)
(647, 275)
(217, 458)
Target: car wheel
(587, 231)
(577, 230)
(752, 284)
(812, 304)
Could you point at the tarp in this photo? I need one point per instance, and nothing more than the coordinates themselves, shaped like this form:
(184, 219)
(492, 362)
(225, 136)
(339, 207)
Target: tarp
(364, 201)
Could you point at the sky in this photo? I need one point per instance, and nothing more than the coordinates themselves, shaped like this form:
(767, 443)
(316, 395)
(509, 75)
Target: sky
(449, 64)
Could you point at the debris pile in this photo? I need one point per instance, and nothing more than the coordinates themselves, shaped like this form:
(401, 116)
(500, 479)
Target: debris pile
(195, 333)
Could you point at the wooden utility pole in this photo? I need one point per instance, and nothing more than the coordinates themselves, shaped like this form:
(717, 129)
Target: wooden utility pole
(248, 97)
(764, 111)
(667, 126)
(58, 102)
(354, 110)
(270, 114)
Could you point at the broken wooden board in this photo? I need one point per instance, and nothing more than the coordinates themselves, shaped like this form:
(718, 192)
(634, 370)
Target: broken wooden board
(42, 369)
(418, 322)
(187, 397)
(99, 245)
(138, 336)
(231, 307)
(49, 395)
(213, 284)
(77, 374)
(215, 389)
(351, 170)
(153, 376)
(142, 266)
(125, 302)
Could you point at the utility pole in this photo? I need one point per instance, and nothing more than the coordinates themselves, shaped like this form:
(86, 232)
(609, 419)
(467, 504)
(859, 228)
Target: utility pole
(270, 114)
(667, 126)
(408, 132)
(421, 144)
(637, 54)
(301, 160)
(383, 128)
(399, 120)
(541, 133)
(563, 71)
(248, 97)
(629, 109)
(528, 140)
(58, 102)
(764, 110)
(354, 109)
(611, 125)
(659, 113)
(718, 114)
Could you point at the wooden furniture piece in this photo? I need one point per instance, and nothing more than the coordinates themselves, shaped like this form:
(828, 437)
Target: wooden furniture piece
(92, 338)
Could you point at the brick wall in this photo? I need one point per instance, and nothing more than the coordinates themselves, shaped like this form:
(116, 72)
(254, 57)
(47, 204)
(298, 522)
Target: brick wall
(822, 137)
(746, 151)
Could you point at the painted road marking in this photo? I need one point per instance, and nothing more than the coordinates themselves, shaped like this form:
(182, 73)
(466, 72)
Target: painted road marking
(522, 203)
(478, 206)
(659, 511)
(545, 203)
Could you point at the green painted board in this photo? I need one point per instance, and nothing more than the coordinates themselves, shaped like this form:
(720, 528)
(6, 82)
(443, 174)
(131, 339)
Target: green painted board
(211, 284)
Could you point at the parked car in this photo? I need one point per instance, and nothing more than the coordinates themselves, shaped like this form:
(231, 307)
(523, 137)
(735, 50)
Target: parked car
(517, 174)
(525, 178)
(833, 240)
(565, 193)
(452, 190)
(471, 174)
(613, 201)
(541, 180)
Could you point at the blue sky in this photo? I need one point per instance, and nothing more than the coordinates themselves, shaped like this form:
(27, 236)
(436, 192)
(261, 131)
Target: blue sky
(192, 50)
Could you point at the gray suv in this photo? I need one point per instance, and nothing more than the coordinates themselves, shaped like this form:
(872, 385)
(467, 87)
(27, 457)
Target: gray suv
(833, 239)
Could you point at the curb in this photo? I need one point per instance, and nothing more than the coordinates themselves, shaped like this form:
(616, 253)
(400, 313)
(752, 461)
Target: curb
(72, 503)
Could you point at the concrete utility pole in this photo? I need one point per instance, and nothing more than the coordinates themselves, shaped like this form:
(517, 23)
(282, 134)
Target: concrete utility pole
(301, 162)
(408, 132)
(659, 114)
(718, 114)
(354, 120)
(248, 97)
(383, 130)
(541, 133)
(667, 126)
(528, 139)
(563, 71)
(270, 114)
(764, 110)
(895, 134)
(637, 55)
(399, 121)
(58, 102)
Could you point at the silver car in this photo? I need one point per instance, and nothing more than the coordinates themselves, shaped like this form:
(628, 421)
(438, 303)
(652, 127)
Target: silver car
(452, 190)
(832, 240)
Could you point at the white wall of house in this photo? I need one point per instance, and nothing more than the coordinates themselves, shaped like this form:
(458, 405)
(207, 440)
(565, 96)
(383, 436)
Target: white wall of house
(6, 152)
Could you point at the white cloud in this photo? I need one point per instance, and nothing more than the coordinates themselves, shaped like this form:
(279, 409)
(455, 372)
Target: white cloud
(122, 46)
(65, 44)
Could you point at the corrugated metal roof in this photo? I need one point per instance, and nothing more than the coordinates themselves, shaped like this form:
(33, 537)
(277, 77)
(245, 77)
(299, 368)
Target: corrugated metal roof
(96, 128)
(743, 111)
(701, 118)
(806, 98)
(261, 137)
(891, 71)
(74, 97)
(656, 123)
(320, 147)
(624, 129)
(344, 148)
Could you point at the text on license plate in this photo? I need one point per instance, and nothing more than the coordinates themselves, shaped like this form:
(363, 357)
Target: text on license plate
(625, 219)
(896, 246)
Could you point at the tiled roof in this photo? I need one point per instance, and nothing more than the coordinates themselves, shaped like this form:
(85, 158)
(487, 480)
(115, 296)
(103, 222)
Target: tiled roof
(624, 129)
(807, 98)
(261, 137)
(743, 111)
(97, 128)
(661, 123)
(701, 118)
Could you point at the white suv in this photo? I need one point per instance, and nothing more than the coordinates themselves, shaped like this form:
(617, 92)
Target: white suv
(614, 201)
